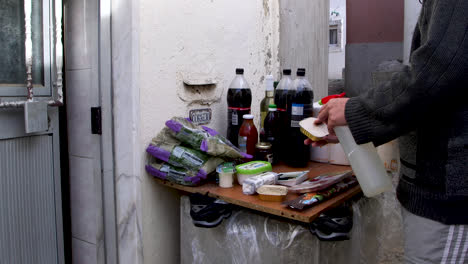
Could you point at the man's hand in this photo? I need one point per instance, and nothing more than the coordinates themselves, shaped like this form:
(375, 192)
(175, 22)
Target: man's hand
(333, 114)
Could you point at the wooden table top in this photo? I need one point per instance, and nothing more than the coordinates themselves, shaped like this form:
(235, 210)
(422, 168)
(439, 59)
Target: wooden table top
(235, 196)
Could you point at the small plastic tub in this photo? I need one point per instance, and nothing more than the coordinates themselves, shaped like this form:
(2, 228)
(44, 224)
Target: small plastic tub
(226, 174)
(272, 193)
(251, 169)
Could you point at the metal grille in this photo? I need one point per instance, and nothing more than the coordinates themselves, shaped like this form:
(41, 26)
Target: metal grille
(27, 201)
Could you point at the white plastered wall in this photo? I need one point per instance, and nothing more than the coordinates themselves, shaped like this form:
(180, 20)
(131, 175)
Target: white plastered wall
(203, 39)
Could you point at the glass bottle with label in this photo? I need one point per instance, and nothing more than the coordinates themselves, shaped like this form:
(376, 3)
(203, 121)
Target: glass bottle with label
(267, 100)
(300, 106)
(272, 131)
(239, 100)
(248, 135)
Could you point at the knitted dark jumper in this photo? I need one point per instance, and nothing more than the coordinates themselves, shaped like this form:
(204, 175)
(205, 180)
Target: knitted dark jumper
(426, 106)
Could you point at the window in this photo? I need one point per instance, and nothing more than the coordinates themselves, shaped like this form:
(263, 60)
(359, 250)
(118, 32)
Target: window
(13, 46)
(335, 36)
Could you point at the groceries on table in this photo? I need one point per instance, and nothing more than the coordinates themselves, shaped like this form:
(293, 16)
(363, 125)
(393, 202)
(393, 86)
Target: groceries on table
(192, 155)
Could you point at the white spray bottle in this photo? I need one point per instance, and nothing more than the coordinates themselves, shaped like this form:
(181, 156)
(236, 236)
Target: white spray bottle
(366, 163)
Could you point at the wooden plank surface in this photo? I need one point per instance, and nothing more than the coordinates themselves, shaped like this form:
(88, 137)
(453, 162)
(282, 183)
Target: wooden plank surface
(235, 196)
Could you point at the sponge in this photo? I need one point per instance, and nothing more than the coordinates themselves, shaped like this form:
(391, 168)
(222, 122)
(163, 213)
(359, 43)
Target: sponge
(313, 131)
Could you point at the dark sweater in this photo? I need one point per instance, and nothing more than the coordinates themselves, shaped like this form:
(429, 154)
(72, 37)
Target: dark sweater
(426, 106)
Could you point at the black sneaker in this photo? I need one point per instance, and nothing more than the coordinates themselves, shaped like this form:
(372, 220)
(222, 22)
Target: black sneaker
(334, 225)
(208, 212)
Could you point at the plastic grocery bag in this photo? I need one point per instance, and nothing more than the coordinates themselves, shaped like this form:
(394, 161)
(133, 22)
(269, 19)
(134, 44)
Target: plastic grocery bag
(203, 138)
(173, 174)
(170, 150)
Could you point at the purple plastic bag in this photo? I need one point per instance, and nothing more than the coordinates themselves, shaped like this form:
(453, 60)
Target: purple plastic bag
(203, 138)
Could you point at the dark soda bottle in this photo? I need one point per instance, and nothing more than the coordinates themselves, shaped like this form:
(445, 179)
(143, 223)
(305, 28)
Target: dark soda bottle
(272, 131)
(282, 90)
(300, 106)
(239, 99)
(281, 96)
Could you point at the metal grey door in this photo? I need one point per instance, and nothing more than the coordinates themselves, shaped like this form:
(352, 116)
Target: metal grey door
(30, 89)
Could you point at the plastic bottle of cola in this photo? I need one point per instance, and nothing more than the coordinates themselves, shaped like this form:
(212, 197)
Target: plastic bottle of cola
(239, 100)
(299, 106)
(281, 96)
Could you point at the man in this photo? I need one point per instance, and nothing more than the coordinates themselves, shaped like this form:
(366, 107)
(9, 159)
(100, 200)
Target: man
(426, 107)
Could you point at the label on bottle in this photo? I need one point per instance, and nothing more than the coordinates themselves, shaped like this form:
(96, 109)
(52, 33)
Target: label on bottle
(295, 123)
(235, 118)
(242, 141)
(182, 154)
(297, 109)
(236, 113)
(297, 113)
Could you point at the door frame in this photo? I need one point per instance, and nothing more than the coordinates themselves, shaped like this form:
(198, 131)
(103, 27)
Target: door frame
(107, 136)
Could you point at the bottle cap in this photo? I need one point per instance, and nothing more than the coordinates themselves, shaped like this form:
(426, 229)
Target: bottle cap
(239, 71)
(248, 116)
(269, 82)
(328, 98)
(287, 71)
(301, 72)
(272, 107)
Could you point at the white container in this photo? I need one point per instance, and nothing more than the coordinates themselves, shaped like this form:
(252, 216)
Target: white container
(226, 175)
(389, 153)
(316, 109)
(320, 154)
(366, 164)
(226, 179)
(337, 155)
(251, 169)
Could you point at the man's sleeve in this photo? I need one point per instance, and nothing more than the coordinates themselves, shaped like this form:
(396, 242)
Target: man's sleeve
(438, 73)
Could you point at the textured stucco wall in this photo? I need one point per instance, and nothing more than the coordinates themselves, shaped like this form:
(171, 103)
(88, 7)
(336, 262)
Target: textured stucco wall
(336, 59)
(194, 39)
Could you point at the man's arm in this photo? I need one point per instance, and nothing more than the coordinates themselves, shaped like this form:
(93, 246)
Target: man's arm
(438, 73)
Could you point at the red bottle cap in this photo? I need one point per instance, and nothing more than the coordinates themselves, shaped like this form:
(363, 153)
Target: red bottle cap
(328, 98)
